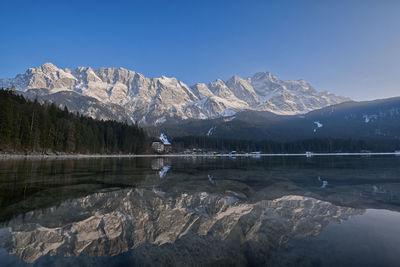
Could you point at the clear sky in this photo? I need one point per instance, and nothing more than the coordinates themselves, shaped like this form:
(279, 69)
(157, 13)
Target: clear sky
(349, 47)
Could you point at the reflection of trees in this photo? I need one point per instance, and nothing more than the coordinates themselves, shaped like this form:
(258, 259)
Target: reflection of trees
(110, 223)
(31, 184)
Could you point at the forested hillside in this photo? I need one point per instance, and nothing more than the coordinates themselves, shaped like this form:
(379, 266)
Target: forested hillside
(366, 120)
(319, 145)
(28, 126)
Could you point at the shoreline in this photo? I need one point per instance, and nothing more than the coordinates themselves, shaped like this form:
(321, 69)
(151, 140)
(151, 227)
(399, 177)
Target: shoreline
(6, 156)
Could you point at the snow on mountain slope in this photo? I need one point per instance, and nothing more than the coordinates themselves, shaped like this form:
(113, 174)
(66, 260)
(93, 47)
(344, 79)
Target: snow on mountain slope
(154, 100)
(290, 97)
(243, 89)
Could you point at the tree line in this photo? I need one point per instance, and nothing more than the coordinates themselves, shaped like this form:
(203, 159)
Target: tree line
(318, 145)
(29, 126)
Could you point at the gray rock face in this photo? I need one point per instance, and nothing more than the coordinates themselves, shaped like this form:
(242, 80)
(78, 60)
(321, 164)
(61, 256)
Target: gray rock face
(110, 223)
(154, 100)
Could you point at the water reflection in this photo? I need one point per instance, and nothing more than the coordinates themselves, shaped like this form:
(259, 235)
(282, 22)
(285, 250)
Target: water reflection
(183, 211)
(106, 224)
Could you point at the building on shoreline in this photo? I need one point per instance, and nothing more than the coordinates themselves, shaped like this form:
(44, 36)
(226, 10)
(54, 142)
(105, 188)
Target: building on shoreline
(157, 147)
(163, 145)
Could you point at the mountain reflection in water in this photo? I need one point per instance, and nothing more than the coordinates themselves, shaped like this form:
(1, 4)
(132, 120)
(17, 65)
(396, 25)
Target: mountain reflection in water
(109, 223)
(182, 211)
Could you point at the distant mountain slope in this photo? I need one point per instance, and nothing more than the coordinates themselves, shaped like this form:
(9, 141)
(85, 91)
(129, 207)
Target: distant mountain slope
(82, 104)
(129, 95)
(379, 119)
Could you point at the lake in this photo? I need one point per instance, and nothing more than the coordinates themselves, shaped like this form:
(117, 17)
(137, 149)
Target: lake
(201, 211)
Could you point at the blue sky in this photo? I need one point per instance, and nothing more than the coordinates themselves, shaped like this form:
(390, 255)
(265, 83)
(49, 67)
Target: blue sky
(350, 48)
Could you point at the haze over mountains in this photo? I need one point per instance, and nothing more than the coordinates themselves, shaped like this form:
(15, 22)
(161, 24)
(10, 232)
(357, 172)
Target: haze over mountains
(124, 95)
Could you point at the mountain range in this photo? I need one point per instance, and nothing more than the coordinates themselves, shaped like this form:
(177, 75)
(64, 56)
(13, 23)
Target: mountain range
(125, 95)
(377, 119)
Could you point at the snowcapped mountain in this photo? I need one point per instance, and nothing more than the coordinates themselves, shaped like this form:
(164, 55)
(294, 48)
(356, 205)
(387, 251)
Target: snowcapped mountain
(155, 100)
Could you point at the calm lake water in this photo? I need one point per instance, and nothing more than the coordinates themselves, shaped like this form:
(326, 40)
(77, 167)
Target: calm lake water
(267, 211)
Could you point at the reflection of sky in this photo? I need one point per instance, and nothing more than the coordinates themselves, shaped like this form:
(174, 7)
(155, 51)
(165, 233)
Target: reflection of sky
(372, 239)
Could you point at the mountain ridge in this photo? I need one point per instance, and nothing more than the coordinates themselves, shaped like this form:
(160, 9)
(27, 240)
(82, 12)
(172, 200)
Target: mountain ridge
(150, 101)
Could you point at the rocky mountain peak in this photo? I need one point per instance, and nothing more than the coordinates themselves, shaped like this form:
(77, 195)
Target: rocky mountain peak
(151, 100)
(201, 90)
(49, 67)
(264, 76)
